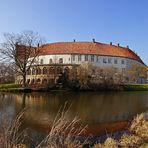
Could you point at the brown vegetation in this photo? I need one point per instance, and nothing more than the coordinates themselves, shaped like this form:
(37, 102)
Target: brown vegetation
(90, 77)
(21, 50)
(137, 138)
(63, 134)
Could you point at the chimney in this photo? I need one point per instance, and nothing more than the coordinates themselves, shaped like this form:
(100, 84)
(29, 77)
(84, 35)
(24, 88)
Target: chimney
(93, 40)
(111, 43)
(118, 45)
(74, 40)
(16, 43)
(127, 47)
(38, 45)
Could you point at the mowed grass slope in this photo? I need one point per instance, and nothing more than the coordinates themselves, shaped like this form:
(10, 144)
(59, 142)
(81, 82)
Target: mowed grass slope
(136, 87)
(10, 86)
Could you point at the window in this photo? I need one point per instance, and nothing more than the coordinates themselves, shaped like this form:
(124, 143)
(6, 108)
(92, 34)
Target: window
(50, 61)
(97, 58)
(122, 62)
(33, 71)
(44, 70)
(59, 70)
(38, 80)
(51, 70)
(73, 57)
(32, 81)
(66, 70)
(109, 60)
(86, 57)
(38, 71)
(41, 61)
(29, 72)
(44, 81)
(115, 61)
(79, 57)
(61, 60)
(35, 61)
(92, 58)
(104, 60)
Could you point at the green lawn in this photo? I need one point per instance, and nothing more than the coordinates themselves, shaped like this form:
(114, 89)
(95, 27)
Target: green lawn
(8, 86)
(136, 87)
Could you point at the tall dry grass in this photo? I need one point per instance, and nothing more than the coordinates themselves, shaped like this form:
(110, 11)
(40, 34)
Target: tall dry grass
(10, 133)
(64, 133)
(138, 137)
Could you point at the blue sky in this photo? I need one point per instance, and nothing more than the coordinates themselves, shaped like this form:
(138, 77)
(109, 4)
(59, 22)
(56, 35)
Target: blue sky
(117, 21)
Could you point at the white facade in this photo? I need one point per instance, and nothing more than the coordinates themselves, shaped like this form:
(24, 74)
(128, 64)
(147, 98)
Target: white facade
(121, 64)
(95, 60)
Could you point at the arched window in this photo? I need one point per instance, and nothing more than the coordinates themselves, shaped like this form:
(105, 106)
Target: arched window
(29, 72)
(61, 60)
(33, 71)
(44, 81)
(50, 61)
(66, 70)
(38, 81)
(59, 70)
(44, 70)
(38, 71)
(51, 70)
(32, 81)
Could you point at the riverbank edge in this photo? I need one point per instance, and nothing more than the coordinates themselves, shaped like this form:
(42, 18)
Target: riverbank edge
(126, 87)
(135, 87)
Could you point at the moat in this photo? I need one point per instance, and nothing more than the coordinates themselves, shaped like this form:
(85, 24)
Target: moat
(101, 111)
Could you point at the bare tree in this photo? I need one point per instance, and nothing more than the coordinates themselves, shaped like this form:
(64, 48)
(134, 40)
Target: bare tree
(6, 73)
(21, 49)
(138, 71)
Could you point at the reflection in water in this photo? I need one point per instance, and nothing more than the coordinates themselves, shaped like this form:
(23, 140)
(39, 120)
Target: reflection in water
(92, 108)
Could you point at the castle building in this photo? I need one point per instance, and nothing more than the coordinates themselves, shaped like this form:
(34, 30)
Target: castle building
(55, 58)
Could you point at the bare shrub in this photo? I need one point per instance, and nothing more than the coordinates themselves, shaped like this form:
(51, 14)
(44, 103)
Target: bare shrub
(10, 133)
(109, 143)
(139, 126)
(130, 141)
(63, 133)
(137, 138)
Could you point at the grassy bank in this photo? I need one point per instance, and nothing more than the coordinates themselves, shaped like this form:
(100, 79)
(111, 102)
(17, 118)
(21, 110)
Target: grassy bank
(10, 86)
(128, 87)
(136, 87)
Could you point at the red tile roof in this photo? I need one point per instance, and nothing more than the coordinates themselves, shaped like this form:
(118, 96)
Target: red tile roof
(89, 48)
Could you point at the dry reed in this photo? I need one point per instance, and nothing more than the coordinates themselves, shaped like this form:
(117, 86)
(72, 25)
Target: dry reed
(64, 133)
(10, 134)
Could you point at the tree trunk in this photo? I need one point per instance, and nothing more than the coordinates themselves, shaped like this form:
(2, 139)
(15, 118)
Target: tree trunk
(24, 80)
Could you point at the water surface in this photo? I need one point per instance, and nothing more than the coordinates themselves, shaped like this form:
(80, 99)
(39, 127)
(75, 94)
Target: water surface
(99, 110)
